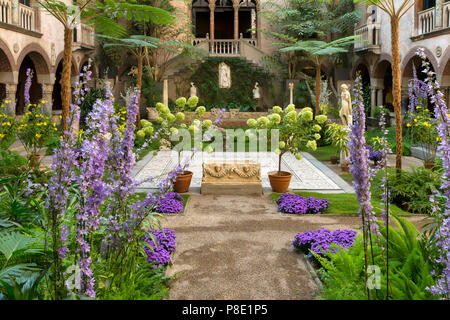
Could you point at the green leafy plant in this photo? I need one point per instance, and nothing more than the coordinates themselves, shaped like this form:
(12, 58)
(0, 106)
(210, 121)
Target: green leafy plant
(295, 130)
(409, 266)
(413, 189)
(35, 128)
(8, 125)
(337, 135)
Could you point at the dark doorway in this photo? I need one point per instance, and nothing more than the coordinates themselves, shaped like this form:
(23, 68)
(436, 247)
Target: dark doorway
(223, 25)
(35, 89)
(245, 23)
(201, 24)
(56, 95)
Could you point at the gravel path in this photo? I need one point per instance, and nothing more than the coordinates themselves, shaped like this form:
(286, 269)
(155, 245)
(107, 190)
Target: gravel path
(239, 247)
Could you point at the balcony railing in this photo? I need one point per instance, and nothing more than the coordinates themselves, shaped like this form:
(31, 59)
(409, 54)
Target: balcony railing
(26, 17)
(446, 15)
(84, 37)
(369, 37)
(21, 16)
(5, 11)
(224, 47)
(426, 21)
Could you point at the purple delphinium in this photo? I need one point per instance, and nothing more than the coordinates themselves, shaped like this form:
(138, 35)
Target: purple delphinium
(160, 253)
(417, 91)
(441, 113)
(94, 190)
(320, 240)
(26, 90)
(384, 150)
(296, 204)
(359, 156)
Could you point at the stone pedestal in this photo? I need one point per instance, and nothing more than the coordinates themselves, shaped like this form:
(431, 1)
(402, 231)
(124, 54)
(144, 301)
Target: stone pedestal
(238, 177)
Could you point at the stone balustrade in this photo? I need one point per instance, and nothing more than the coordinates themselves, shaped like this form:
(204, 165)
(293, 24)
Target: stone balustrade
(369, 36)
(426, 21)
(19, 16)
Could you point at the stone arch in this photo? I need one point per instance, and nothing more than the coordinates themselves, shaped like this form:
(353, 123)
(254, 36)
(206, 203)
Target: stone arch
(411, 54)
(6, 64)
(356, 65)
(380, 65)
(40, 60)
(59, 58)
(444, 65)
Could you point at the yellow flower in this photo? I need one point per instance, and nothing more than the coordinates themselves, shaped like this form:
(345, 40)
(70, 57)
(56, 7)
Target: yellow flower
(408, 124)
(122, 118)
(437, 139)
(38, 135)
(415, 120)
(45, 123)
(2, 135)
(8, 123)
(56, 129)
(418, 107)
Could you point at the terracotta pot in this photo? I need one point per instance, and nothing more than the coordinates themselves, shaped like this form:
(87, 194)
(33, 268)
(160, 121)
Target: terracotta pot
(34, 160)
(334, 159)
(429, 164)
(183, 182)
(344, 167)
(280, 183)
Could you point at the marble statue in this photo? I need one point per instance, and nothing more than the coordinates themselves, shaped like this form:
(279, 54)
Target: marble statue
(256, 94)
(193, 91)
(224, 75)
(346, 106)
(291, 92)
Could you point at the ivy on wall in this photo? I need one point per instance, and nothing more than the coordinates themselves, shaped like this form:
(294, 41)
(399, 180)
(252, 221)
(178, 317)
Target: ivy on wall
(243, 79)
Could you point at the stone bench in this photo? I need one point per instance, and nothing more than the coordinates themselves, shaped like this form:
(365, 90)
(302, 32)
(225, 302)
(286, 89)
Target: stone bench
(237, 177)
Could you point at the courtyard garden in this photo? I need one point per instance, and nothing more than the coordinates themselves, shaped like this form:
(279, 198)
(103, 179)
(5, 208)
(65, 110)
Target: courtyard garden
(231, 194)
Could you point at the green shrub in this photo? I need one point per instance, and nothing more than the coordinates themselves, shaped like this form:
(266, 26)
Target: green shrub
(412, 190)
(86, 105)
(409, 266)
(406, 141)
(11, 163)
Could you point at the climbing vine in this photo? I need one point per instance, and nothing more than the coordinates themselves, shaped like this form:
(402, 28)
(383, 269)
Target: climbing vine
(243, 78)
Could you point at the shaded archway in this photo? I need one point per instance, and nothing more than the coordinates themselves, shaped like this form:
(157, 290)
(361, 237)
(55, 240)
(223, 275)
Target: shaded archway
(35, 89)
(56, 94)
(445, 75)
(362, 70)
(6, 69)
(382, 83)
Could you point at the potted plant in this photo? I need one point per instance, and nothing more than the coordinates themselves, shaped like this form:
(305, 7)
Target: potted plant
(296, 130)
(170, 125)
(423, 128)
(35, 128)
(337, 134)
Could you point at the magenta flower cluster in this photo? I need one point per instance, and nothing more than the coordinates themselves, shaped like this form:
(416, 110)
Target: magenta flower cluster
(319, 241)
(160, 253)
(296, 204)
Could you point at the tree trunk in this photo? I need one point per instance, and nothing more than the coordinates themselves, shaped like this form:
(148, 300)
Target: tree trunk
(65, 77)
(396, 91)
(139, 86)
(317, 87)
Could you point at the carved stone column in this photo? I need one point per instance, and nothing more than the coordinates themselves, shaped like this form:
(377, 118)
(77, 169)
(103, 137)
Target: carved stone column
(166, 92)
(236, 19)
(47, 94)
(11, 89)
(258, 24)
(380, 97)
(212, 7)
(373, 100)
(15, 12)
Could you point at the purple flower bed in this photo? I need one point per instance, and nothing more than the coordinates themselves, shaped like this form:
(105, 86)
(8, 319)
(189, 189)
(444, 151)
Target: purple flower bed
(322, 238)
(296, 204)
(171, 202)
(161, 254)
